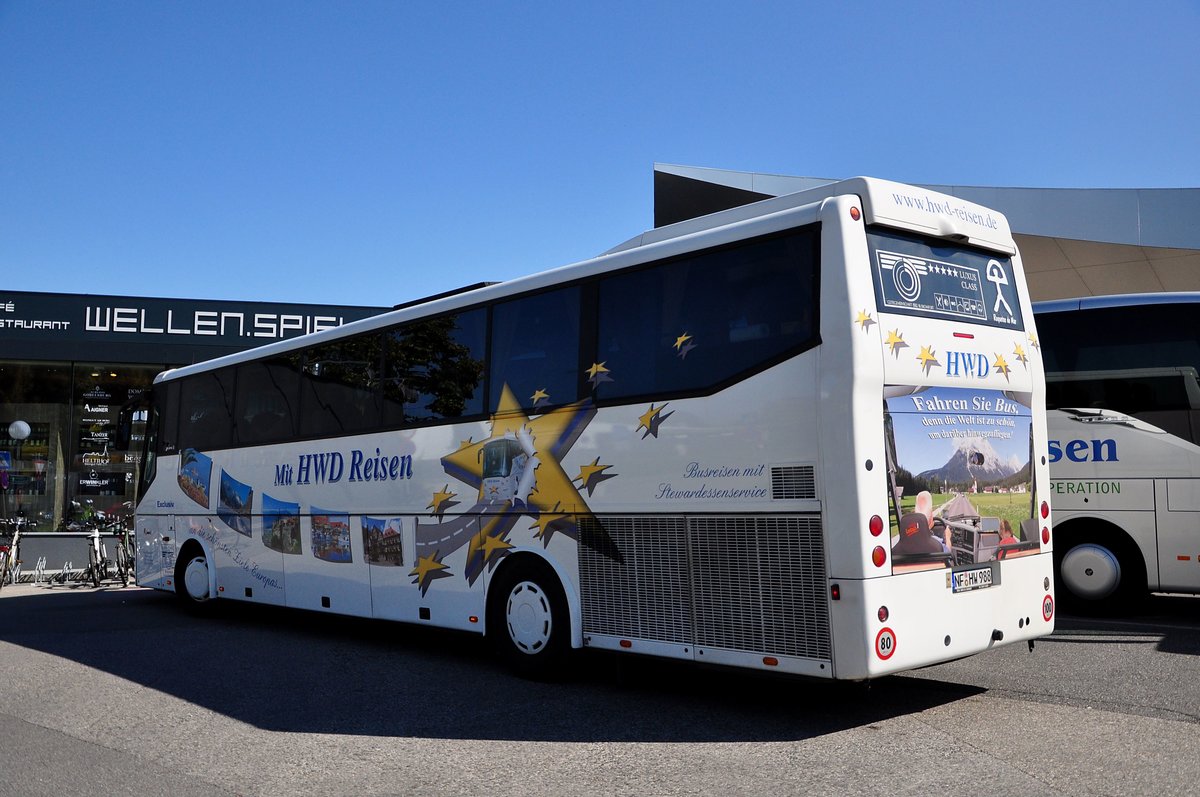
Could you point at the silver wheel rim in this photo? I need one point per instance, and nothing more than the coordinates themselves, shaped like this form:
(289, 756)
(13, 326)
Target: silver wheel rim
(195, 579)
(529, 618)
(1091, 571)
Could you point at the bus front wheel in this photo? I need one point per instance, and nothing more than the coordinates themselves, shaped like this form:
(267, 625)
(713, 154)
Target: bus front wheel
(1100, 575)
(191, 578)
(527, 620)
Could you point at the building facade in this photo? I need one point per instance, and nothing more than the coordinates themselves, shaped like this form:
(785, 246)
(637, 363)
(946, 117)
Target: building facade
(69, 363)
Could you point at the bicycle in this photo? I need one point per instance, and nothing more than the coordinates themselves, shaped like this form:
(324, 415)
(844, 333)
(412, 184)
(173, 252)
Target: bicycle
(125, 567)
(10, 555)
(98, 561)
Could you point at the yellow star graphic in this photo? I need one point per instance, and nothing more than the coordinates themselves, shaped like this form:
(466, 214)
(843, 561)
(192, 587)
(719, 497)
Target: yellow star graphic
(493, 529)
(651, 419)
(1001, 366)
(895, 341)
(440, 499)
(539, 395)
(544, 520)
(927, 358)
(493, 545)
(1019, 353)
(428, 568)
(597, 368)
(1033, 341)
(864, 320)
(552, 434)
(682, 339)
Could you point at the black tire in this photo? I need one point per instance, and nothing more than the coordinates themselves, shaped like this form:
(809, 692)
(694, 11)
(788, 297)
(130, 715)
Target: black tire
(192, 584)
(527, 620)
(123, 566)
(1099, 572)
(93, 571)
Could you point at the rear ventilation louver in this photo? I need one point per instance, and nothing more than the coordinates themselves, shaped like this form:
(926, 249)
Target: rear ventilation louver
(793, 482)
(752, 584)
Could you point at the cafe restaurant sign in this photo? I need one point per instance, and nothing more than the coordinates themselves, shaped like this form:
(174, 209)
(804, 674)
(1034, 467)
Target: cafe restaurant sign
(68, 317)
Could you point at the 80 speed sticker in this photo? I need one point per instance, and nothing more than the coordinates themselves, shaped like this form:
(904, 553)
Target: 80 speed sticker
(885, 643)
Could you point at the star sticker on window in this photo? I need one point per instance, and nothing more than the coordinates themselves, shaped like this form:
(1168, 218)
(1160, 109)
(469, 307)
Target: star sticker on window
(683, 344)
(927, 358)
(598, 374)
(864, 320)
(895, 342)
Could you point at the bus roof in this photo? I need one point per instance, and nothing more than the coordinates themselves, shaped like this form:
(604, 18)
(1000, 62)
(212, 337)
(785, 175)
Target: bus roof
(883, 202)
(1115, 300)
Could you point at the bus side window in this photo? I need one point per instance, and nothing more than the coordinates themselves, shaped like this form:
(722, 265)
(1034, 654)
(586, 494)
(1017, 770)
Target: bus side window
(433, 369)
(535, 347)
(206, 410)
(166, 397)
(340, 386)
(267, 394)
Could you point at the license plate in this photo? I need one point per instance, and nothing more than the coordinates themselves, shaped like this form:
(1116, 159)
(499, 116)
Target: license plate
(967, 580)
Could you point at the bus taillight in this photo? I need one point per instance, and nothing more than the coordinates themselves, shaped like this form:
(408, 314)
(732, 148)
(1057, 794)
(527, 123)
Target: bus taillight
(876, 525)
(878, 556)
(1045, 510)
(1045, 535)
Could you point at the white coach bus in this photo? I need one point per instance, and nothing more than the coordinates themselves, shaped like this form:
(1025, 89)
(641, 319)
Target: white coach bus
(693, 446)
(1124, 445)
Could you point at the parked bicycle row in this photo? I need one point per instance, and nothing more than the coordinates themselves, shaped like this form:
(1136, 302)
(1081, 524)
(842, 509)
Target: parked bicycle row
(70, 558)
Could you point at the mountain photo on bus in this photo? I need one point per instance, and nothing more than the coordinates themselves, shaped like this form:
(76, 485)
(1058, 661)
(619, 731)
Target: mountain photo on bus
(961, 478)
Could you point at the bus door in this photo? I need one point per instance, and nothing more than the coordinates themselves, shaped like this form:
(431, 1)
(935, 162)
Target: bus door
(155, 540)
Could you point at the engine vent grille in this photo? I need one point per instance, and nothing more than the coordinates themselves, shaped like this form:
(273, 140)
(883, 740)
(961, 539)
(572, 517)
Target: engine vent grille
(793, 482)
(739, 583)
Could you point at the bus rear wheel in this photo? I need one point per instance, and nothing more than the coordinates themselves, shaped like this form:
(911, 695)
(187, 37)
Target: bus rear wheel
(527, 620)
(1100, 576)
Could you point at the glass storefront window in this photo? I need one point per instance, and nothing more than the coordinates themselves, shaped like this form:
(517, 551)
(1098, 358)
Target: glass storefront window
(68, 472)
(103, 477)
(33, 470)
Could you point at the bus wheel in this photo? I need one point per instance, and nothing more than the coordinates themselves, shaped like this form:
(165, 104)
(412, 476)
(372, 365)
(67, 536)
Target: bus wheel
(1100, 576)
(528, 621)
(191, 577)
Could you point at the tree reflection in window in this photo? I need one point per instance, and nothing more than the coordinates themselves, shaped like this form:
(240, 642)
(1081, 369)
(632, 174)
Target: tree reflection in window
(433, 369)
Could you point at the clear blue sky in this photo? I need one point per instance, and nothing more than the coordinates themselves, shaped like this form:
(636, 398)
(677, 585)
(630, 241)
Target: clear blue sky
(371, 153)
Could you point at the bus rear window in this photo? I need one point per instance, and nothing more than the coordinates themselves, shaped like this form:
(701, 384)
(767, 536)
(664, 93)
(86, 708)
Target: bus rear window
(925, 277)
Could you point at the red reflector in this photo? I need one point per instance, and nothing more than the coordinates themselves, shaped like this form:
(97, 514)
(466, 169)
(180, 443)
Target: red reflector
(855, 214)
(625, 643)
(879, 556)
(966, 335)
(1045, 536)
(835, 592)
(770, 661)
(876, 525)
(220, 589)
(883, 614)
(473, 619)
(1045, 510)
